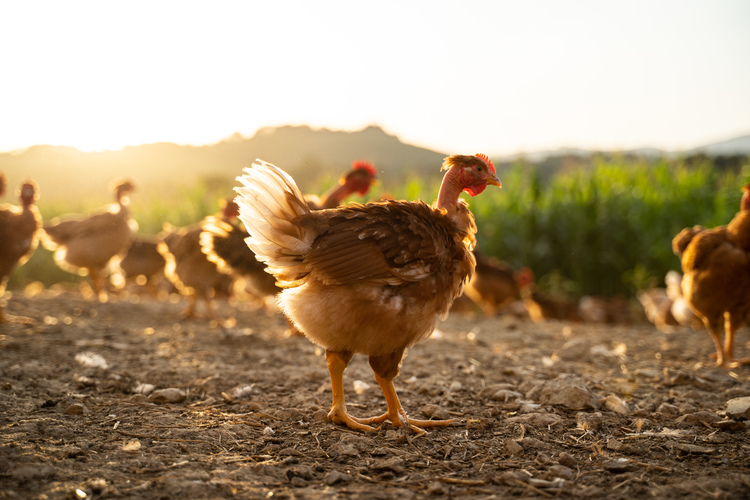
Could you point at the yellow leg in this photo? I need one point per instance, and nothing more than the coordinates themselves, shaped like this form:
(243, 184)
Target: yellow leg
(386, 369)
(337, 363)
(730, 328)
(396, 413)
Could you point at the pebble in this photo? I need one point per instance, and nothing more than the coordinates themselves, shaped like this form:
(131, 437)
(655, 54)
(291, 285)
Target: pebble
(567, 390)
(171, 395)
(336, 477)
(589, 421)
(739, 407)
(436, 412)
(567, 460)
(513, 448)
(74, 409)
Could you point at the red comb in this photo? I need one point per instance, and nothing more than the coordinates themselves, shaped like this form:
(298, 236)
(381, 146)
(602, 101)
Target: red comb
(364, 165)
(487, 160)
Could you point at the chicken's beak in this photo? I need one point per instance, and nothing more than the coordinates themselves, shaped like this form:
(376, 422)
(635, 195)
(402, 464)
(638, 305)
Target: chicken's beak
(494, 181)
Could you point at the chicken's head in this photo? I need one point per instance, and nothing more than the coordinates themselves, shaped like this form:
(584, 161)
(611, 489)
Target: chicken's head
(474, 173)
(524, 277)
(29, 192)
(230, 209)
(361, 177)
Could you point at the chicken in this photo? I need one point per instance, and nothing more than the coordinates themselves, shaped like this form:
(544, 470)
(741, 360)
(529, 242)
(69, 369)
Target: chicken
(679, 307)
(542, 307)
(189, 269)
(357, 180)
(142, 264)
(87, 246)
(373, 278)
(658, 308)
(19, 236)
(224, 243)
(716, 277)
(492, 287)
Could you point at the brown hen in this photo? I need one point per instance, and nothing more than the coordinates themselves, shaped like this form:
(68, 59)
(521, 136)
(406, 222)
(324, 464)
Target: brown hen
(716, 277)
(189, 269)
(87, 245)
(19, 236)
(372, 279)
(493, 286)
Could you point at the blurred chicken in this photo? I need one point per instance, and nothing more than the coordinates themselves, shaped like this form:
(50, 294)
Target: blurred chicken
(716, 277)
(357, 180)
(142, 264)
(19, 236)
(679, 307)
(540, 306)
(88, 245)
(493, 287)
(189, 269)
(609, 310)
(224, 243)
(372, 279)
(658, 308)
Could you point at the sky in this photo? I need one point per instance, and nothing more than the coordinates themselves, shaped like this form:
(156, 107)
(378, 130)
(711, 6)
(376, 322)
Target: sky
(498, 77)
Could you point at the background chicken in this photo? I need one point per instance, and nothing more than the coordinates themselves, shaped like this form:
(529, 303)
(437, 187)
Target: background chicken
(716, 277)
(189, 269)
(357, 180)
(19, 236)
(142, 264)
(87, 245)
(224, 243)
(493, 287)
(542, 307)
(372, 279)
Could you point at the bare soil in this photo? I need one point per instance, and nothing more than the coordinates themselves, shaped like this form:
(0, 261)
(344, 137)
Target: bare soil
(84, 414)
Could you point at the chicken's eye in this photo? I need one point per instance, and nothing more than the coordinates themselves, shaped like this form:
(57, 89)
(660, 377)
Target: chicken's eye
(479, 169)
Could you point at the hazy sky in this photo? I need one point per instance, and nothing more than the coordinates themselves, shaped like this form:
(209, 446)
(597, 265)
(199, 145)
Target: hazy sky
(458, 77)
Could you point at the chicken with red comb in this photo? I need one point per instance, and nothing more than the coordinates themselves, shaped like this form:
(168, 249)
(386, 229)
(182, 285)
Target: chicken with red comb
(370, 279)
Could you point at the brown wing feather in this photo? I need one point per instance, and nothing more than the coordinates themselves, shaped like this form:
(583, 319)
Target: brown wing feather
(385, 243)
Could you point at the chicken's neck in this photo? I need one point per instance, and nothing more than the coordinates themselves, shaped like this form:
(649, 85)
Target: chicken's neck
(450, 188)
(336, 195)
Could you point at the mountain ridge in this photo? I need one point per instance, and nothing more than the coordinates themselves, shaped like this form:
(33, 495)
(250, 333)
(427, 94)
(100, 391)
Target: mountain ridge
(308, 154)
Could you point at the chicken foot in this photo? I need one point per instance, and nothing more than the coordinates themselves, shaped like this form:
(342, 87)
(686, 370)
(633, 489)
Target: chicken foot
(337, 363)
(386, 369)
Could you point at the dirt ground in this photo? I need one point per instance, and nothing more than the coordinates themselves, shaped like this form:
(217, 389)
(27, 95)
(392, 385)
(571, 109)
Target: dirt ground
(125, 400)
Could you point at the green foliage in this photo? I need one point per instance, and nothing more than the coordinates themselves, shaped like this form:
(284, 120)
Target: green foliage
(601, 229)
(608, 229)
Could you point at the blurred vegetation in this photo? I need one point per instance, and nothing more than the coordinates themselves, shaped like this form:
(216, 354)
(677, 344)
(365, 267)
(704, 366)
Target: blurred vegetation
(601, 227)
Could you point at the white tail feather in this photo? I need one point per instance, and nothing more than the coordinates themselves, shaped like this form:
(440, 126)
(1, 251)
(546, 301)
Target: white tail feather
(269, 201)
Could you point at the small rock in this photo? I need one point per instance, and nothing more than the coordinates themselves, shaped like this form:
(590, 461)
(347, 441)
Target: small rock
(511, 478)
(589, 421)
(567, 460)
(436, 412)
(562, 472)
(535, 419)
(619, 465)
(513, 448)
(739, 408)
(614, 444)
(132, 446)
(74, 409)
(144, 389)
(321, 415)
(171, 395)
(341, 450)
(567, 390)
(336, 477)
(395, 465)
(730, 425)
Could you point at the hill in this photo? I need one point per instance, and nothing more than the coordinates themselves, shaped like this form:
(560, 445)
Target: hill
(307, 154)
(310, 155)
